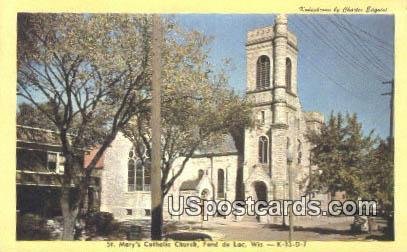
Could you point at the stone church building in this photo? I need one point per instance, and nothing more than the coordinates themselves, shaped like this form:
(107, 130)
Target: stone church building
(281, 125)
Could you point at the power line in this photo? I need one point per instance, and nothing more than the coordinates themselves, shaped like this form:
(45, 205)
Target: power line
(299, 31)
(356, 40)
(328, 77)
(344, 56)
(333, 42)
(387, 50)
(318, 70)
(366, 51)
(343, 49)
(390, 46)
(339, 50)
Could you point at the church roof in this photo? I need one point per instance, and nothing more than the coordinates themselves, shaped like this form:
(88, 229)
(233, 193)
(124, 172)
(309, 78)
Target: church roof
(225, 146)
(189, 184)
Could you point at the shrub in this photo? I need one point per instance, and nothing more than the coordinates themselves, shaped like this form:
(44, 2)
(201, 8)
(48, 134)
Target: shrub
(100, 223)
(32, 227)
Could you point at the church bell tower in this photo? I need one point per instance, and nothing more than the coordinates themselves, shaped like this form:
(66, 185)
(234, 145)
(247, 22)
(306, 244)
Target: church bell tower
(271, 54)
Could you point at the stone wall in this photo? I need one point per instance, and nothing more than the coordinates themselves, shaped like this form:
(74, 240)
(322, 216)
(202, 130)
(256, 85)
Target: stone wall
(285, 121)
(115, 197)
(210, 165)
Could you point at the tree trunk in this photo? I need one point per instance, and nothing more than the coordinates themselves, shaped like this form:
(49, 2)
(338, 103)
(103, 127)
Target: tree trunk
(156, 190)
(69, 215)
(157, 221)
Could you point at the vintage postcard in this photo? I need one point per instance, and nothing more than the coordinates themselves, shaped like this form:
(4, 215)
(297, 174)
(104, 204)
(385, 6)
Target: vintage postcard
(132, 126)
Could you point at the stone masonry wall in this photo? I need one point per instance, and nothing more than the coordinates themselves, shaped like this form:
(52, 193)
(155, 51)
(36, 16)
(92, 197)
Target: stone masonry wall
(115, 197)
(285, 120)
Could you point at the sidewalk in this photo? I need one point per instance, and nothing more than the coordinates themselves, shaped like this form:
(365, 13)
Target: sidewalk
(337, 229)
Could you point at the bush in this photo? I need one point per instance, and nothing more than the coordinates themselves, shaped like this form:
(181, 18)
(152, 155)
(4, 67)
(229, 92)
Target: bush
(32, 227)
(100, 223)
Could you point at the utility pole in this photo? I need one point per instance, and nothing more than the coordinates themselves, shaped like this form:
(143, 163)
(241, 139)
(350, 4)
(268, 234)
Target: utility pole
(290, 194)
(156, 192)
(390, 219)
(391, 131)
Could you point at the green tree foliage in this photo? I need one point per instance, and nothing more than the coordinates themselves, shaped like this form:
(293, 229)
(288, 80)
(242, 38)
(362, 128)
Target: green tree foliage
(28, 115)
(361, 166)
(380, 174)
(92, 72)
(89, 75)
(349, 161)
(197, 106)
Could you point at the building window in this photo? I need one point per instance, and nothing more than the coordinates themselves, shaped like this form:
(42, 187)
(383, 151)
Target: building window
(288, 150)
(299, 152)
(221, 184)
(131, 175)
(262, 117)
(147, 212)
(263, 150)
(147, 175)
(52, 161)
(61, 163)
(263, 72)
(139, 175)
(55, 162)
(139, 170)
(33, 160)
(200, 173)
(288, 72)
(129, 211)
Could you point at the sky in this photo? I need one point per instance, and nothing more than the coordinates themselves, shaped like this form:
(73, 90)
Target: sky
(342, 60)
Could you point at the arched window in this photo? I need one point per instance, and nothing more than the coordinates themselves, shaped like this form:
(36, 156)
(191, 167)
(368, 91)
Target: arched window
(263, 150)
(200, 173)
(139, 167)
(131, 175)
(289, 150)
(299, 152)
(147, 175)
(288, 72)
(139, 175)
(288, 143)
(263, 72)
(221, 184)
(262, 117)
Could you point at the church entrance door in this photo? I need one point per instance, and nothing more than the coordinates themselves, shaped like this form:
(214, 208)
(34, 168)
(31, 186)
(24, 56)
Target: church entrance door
(260, 189)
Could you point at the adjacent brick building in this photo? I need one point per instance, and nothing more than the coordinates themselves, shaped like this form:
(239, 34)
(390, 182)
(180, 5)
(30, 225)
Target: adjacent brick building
(40, 166)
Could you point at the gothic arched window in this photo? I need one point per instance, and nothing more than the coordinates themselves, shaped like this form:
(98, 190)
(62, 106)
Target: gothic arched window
(263, 150)
(221, 184)
(288, 150)
(288, 72)
(200, 173)
(147, 175)
(139, 175)
(131, 175)
(299, 152)
(288, 144)
(139, 167)
(263, 72)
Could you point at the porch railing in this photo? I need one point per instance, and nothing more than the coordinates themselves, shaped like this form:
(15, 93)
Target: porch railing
(48, 179)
